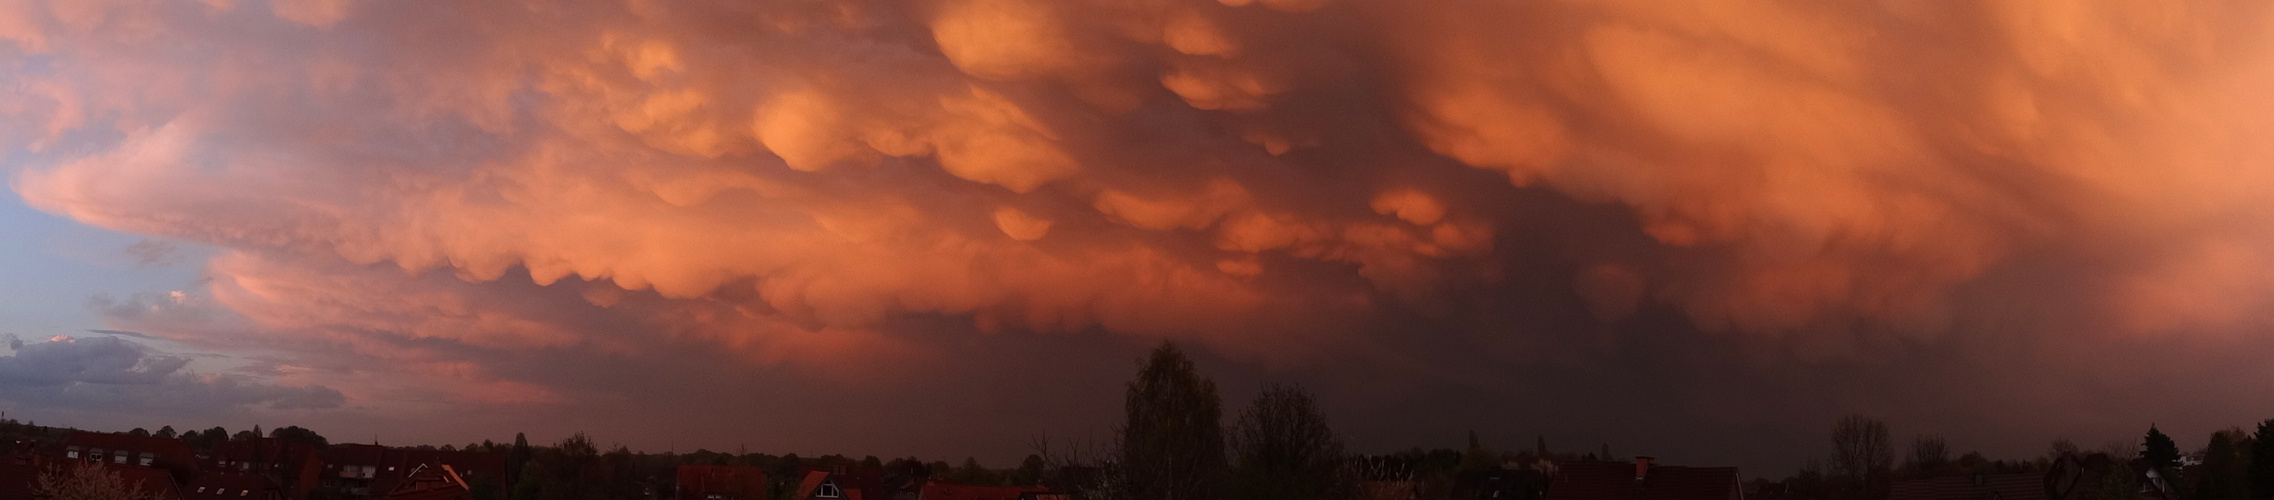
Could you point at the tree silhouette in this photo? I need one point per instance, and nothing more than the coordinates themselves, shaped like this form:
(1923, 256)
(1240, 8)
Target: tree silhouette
(1929, 456)
(1285, 449)
(1172, 443)
(2262, 462)
(2159, 450)
(1861, 458)
(2225, 468)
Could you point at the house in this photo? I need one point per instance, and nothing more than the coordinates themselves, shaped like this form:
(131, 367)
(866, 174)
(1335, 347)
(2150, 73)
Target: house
(158, 482)
(296, 468)
(437, 482)
(843, 481)
(937, 490)
(1642, 480)
(2021, 486)
(479, 470)
(174, 455)
(720, 482)
(351, 469)
(370, 470)
(221, 486)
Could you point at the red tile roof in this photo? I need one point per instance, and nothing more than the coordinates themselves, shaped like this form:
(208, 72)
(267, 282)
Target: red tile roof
(231, 487)
(151, 479)
(1594, 480)
(16, 480)
(700, 481)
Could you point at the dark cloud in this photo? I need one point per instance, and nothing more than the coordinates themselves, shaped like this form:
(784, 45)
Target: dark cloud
(945, 225)
(123, 333)
(113, 374)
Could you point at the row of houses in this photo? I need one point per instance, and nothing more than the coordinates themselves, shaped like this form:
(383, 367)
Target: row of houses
(725, 482)
(260, 468)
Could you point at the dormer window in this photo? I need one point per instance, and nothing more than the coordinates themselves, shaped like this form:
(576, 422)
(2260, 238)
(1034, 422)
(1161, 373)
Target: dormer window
(828, 489)
(201, 489)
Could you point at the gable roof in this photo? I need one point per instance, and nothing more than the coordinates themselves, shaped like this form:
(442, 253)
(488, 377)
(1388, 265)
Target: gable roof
(437, 482)
(1599, 480)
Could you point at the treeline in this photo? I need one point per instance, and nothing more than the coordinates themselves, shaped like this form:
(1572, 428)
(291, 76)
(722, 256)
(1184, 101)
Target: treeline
(1172, 444)
(576, 469)
(1864, 465)
(1174, 441)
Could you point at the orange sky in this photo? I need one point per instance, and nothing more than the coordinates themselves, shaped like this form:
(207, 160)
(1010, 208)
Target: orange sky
(1985, 208)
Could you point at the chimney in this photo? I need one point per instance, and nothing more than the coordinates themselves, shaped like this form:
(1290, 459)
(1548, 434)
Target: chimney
(1641, 468)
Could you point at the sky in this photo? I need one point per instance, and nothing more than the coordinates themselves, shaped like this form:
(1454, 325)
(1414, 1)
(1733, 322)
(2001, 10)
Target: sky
(1699, 231)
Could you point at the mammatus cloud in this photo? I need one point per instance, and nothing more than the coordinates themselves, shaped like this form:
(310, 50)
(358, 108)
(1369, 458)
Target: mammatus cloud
(1273, 179)
(108, 373)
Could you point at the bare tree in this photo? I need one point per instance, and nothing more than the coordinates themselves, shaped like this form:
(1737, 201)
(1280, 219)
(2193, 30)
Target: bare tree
(1862, 458)
(1172, 444)
(1286, 450)
(86, 481)
(1929, 456)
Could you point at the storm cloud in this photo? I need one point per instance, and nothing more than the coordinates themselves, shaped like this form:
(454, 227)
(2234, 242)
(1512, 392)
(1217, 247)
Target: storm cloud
(1804, 200)
(114, 374)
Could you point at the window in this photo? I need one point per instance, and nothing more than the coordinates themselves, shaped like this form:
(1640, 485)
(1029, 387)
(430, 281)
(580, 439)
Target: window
(119, 458)
(147, 458)
(828, 489)
(71, 452)
(245, 492)
(201, 489)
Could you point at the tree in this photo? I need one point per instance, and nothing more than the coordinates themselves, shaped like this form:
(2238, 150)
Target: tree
(86, 481)
(1861, 458)
(1030, 471)
(1284, 449)
(1172, 443)
(205, 441)
(972, 473)
(1929, 456)
(139, 432)
(166, 432)
(296, 434)
(518, 458)
(2159, 450)
(2262, 462)
(2225, 468)
(1476, 456)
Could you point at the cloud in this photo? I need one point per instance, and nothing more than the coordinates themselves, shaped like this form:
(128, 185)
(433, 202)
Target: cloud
(151, 252)
(108, 373)
(1288, 183)
(123, 333)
